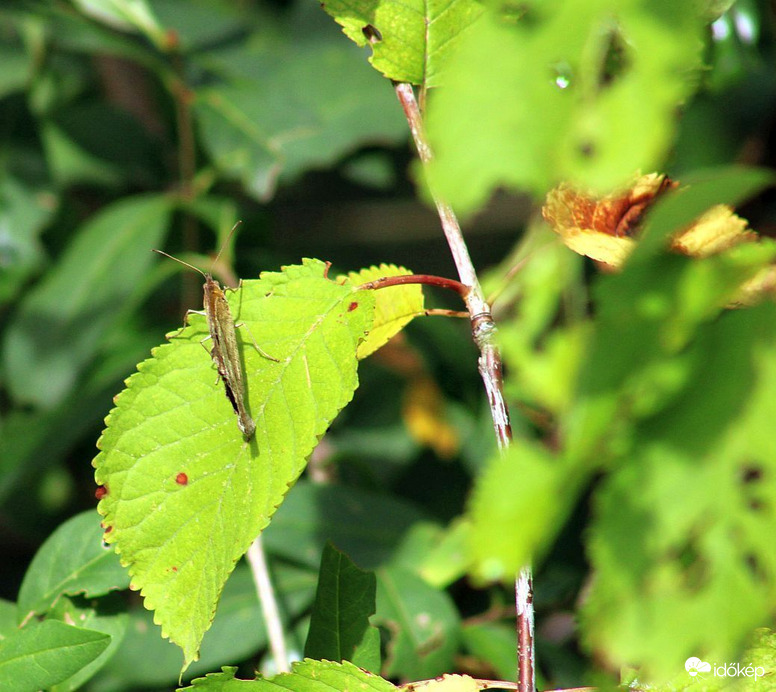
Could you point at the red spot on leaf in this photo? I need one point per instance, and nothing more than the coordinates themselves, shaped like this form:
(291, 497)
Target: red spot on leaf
(108, 529)
(102, 491)
(352, 306)
(182, 479)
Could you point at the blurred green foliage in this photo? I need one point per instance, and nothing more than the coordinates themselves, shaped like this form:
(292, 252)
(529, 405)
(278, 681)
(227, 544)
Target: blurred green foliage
(642, 477)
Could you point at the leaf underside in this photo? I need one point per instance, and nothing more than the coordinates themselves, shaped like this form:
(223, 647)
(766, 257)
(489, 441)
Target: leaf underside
(186, 495)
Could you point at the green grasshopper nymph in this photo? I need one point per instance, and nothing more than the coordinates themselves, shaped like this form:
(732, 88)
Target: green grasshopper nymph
(225, 353)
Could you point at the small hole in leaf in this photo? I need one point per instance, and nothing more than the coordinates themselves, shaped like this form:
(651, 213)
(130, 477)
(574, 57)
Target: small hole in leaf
(750, 474)
(513, 12)
(617, 60)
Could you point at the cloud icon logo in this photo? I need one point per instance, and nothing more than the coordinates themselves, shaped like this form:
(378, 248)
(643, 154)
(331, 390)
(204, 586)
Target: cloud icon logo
(694, 665)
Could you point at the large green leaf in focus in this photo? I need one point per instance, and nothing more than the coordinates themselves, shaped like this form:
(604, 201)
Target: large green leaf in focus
(186, 494)
(410, 40)
(584, 91)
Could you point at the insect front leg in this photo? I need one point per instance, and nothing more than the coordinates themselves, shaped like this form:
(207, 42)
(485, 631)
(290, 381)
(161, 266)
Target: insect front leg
(210, 353)
(185, 317)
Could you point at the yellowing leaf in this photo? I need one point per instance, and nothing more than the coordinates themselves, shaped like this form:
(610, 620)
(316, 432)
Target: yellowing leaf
(602, 227)
(424, 416)
(599, 246)
(717, 230)
(394, 306)
(447, 683)
(605, 228)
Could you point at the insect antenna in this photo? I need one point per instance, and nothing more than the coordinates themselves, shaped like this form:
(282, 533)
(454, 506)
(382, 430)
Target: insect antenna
(180, 261)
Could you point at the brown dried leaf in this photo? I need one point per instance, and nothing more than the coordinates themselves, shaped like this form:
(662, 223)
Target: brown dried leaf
(606, 228)
(602, 228)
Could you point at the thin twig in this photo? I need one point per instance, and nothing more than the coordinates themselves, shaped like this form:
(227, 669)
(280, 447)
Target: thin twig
(428, 279)
(483, 332)
(269, 606)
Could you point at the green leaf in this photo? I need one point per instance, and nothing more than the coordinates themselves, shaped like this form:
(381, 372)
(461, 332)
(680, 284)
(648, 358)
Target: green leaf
(305, 676)
(8, 618)
(185, 494)
(762, 652)
(344, 602)
(367, 525)
(692, 507)
(105, 615)
(567, 100)
(492, 643)
(445, 558)
(298, 97)
(125, 15)
(72, 561)
(57, 329)
(18, 63)
(423, 623)
(24, 211)
(237, 632)
(46, 653)
(518, 504)
(395, 306)
(411, 41)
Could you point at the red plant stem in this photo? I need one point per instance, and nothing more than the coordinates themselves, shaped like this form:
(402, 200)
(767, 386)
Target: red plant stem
(429, 279)
(489, 362)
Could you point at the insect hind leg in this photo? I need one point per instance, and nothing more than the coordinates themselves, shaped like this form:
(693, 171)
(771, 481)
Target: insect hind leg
(261, 351)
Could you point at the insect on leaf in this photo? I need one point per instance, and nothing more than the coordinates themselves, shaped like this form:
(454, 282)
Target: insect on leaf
(185, 494)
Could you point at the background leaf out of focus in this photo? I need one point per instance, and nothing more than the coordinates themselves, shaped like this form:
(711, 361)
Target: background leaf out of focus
(128, 126)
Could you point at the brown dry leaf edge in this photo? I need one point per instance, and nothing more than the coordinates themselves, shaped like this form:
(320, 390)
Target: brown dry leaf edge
(606, 228)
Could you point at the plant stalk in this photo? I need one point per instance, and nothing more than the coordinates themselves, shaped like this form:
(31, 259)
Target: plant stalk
(277, 643)
(489, 363)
